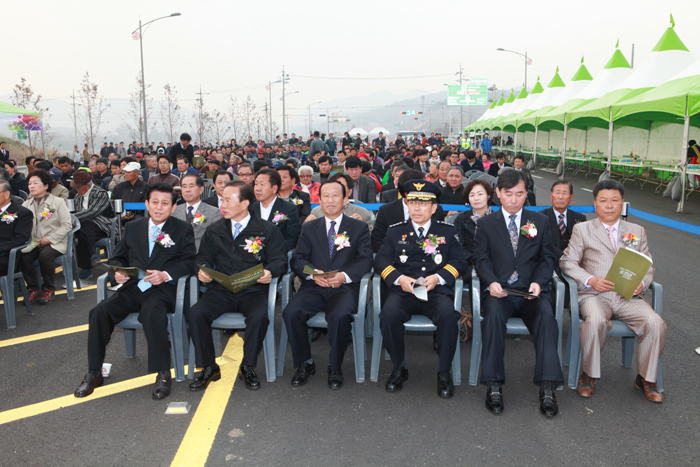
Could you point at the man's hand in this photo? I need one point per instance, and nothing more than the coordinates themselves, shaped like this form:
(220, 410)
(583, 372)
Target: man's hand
(120, 278)
(406, 284)
(451, 213)
(337, 280)
(601, 284)
(638, 290)
(155, 277)
(496, 290)
(321, 281)
(432, 281)
(203, 277)
(44, 241)
(357, 216)
(310, 217)
(535, 289)
(127, 218)
(266, 277)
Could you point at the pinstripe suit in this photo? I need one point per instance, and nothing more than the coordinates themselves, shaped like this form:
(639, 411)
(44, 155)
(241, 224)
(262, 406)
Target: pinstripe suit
(590, 253)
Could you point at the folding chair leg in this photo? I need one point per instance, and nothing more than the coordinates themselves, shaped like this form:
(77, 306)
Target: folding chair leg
(269, 353)
(660, 378)
(475, 362)
(191, 364)
(627, 351)
(377, 342)
(283, 350)
(574, 346)
(25, 294)
(68, 275)
(457, 363)
(358, 343)
(9, 301)
(130, 342)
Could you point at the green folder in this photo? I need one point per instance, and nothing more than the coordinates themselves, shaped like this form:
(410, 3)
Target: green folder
(338, 169)
(236, 282)
(132, 272)
(627, 271)
(312, 272)
(198, 161)
(35, 243)
(210, 174)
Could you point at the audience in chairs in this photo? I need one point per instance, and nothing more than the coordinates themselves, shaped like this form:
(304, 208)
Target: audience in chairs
(15, 227)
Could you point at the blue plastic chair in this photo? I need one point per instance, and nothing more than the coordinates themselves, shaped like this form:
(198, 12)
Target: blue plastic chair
(358, 333)
(108, 243)
(416, 323)
(513, 325)
(237, 321)
(10, 284)
(176, 326)
(67, 262)
(619, 329)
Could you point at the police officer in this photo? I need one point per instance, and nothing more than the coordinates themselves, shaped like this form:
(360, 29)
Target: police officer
(427, 249)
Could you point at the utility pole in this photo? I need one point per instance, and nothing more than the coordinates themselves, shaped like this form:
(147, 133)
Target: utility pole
(284, 103)
(461, 107)
(269, 86)
(201, 105)
(75, 118)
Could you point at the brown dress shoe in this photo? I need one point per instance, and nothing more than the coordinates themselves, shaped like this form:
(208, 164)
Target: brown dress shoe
(586, 385)
(650, 390)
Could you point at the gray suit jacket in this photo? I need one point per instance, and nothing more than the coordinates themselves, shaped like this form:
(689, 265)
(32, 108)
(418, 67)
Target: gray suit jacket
(367, 191)
(210, 213)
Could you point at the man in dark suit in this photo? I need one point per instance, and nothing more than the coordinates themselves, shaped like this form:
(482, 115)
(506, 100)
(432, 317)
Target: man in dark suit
(221, 178)
(519, 164)
(4, 152)
(364, 189)
(471, 162)
(561, 218)
(397, 211)
(514, 251)
(287, 191)
(500, 164)
(338, 243)
(16, 223)
(183, 148)
(163, 248)
(272, 208)
(420, 248)
(389, 195)
(224, 248)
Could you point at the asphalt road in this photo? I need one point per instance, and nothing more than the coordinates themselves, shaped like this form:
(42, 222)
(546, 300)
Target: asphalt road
(362, 424)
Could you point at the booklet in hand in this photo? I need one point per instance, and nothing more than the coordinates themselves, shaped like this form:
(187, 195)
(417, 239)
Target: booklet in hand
(308, 270)
(420, 289)
(35, 243)
(236, 282)
(132, 272)
(627, 271)
(518, 293)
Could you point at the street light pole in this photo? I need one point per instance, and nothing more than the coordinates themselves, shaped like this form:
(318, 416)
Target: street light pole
(143, 78)
(522, 55)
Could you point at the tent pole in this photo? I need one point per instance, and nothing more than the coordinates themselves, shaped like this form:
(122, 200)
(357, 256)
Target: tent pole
(43, 147)
(610, 141)
(563, 152)
(549, 133)
(515, 143)
(684, 156)
(534, 151)
(646, 151)
(585, 142)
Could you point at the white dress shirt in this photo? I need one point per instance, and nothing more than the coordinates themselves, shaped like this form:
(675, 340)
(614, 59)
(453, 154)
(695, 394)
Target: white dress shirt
(337, 231)
(506, 216)
(4, 208)
(265, 211)
(151, 224)
(616, 233)
(426, 228)
(557, 214)
(244, 224)
(406, 215)
(195, 206)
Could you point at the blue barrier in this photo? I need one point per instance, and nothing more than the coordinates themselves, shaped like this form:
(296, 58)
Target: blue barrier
(666, 222)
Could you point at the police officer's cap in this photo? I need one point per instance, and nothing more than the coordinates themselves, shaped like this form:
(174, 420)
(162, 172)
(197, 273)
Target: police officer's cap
(421, 190)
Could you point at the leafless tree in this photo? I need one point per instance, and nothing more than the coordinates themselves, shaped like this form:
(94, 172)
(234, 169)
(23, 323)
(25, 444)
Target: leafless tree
(220, 127)
(91, 111)
(202, 121)
(235, 115)
(249, 117)
(170, 113)
(23, 96)
(135, 113)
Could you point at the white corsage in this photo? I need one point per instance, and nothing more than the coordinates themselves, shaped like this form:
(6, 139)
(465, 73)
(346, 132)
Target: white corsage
(164, 240)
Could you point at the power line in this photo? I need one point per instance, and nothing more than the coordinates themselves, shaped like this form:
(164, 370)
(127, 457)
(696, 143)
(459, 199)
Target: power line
(356, 78)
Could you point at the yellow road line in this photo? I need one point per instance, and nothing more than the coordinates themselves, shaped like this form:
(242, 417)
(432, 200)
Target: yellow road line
(61, 292)
(195, 446)
(43, 335)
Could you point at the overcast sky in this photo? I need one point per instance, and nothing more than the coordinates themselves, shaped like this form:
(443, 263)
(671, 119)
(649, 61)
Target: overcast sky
(235, 48)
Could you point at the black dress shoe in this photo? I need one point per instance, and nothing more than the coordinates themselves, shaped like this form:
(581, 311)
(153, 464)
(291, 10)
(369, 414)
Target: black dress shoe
(335, 379)
(247, 374)
(162, 388)
(435, 346)
(446, 387)
(396, 379)
(316, 333)
(88, 385)
(206, 376)
(301, 376)
(494, 397)
(548, 400)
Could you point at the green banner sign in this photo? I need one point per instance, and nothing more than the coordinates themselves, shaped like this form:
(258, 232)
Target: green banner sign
(475, 92)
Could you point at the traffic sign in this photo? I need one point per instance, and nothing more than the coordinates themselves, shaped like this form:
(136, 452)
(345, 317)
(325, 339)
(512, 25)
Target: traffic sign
(473, 93)
(411, 112)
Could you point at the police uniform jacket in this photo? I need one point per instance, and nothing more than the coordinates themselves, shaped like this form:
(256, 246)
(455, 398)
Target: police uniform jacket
(401, 243)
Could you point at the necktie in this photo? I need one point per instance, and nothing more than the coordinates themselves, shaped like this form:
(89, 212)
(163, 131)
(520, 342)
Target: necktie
(237, 231)
(613, 240)
(421, 237)
(189, 213)
(153, 236)
(331, 238)
(562, 226)
(513, 233)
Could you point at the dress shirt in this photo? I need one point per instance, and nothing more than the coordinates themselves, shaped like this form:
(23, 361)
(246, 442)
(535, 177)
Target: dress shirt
(150, 227)
(337, 230)
(244, 224)
(406, 215)
(557, 213)
(4, 208)
(616, 233)
(425, 227)
(195, 206)
(264, 211)
(506, 216)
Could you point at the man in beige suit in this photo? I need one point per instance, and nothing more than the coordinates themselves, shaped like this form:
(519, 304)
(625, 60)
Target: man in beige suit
(587, 259)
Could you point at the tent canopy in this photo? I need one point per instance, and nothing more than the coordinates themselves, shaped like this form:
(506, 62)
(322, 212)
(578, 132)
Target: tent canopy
(357, 130)
(377, 130)
(18, 119)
